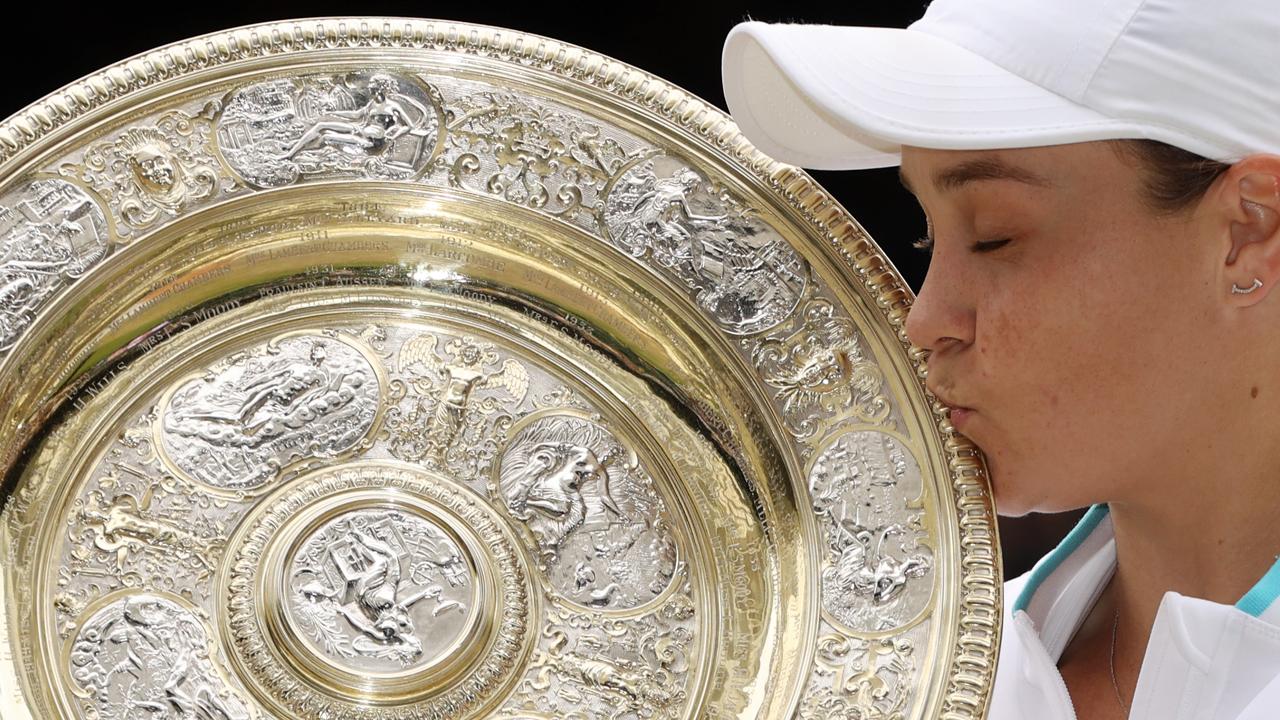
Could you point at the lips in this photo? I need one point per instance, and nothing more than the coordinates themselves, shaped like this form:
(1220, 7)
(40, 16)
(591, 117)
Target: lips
(958, 414)
(946, 400)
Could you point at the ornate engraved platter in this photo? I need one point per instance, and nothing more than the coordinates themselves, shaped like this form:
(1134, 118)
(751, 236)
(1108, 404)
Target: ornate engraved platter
(408, 369)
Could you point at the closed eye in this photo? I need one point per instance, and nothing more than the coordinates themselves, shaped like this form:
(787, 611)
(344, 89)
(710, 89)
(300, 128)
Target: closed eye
(925, 244)
(988, 245)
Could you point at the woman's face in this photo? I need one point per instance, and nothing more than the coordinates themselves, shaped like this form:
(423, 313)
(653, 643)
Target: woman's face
(1084, 330)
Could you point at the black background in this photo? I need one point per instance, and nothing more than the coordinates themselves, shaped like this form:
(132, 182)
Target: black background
(48, 46)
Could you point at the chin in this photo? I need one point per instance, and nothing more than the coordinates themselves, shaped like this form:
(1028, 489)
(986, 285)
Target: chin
(1009, 502)
(1012, 508)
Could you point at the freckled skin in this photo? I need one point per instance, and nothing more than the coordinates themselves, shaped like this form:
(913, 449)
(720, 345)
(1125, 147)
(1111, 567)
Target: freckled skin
(1069, 340)
(1106, 360)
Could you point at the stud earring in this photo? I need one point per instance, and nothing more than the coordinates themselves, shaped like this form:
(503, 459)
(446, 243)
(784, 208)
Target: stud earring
(1241, 291)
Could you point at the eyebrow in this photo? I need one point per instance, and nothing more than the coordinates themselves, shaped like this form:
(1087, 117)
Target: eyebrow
(956, 176)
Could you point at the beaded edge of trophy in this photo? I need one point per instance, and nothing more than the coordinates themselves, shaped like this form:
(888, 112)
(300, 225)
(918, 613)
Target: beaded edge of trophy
(972, 663)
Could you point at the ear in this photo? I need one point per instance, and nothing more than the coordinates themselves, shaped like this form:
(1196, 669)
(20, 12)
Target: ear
(1247, 208)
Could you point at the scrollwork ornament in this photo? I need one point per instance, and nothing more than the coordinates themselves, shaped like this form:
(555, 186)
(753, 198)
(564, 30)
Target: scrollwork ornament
(590, 665)
(530, 153)
(820, 370)
(155, 172)
(860, 679)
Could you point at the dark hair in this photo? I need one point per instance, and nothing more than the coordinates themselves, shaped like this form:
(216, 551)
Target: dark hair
(1176, 179)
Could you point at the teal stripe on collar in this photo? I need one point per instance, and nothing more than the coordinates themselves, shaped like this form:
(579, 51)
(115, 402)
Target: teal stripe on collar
(1068, 545)
(1260, 596)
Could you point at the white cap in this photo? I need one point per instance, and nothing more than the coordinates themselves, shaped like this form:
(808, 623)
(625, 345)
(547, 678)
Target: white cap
(1203, 75)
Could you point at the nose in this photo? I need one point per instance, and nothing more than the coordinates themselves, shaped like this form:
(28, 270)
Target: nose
(942, 316)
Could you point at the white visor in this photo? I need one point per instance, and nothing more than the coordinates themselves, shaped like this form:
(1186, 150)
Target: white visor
(832, 97)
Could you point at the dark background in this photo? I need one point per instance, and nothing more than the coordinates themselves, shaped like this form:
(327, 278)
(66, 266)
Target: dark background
(680, 42)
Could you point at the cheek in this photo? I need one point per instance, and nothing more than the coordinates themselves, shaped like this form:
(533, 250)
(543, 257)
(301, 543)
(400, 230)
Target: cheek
(1061, 356)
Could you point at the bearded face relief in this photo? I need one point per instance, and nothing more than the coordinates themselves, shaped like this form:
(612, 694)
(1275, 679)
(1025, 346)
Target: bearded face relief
(597, 522)
(154, 169)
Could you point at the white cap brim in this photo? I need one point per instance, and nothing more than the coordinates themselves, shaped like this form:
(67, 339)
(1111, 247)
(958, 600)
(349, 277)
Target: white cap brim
(832, 97)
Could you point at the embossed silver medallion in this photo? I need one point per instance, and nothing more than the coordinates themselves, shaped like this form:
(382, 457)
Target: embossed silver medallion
(376, 125)
(51, 232)
(597, 520)
(381, 590)
(740, 270)
(239, 425)
(877, 559)
(146, 656)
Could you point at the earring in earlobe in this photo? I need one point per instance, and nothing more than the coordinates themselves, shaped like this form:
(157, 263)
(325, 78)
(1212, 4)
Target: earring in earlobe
(1241, 291)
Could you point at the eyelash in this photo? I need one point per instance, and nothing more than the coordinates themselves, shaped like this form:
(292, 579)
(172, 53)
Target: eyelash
(925, 244)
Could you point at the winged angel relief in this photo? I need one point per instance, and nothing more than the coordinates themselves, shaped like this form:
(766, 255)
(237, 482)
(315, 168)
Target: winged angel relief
(453, 395)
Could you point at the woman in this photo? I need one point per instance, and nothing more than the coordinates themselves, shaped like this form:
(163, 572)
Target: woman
(1101, 183)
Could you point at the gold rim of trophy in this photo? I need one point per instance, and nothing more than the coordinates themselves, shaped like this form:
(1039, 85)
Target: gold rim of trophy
(398, 368)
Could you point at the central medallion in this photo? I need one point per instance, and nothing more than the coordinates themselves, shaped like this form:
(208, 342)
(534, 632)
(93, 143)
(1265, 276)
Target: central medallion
(381, 590)
(376, 584)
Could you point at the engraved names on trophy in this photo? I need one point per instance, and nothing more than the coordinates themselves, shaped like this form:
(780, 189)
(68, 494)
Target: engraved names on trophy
(300, 397)
(600, 528)
(380, 589)
(51, 233)
(367, 124)
(861, 485)
(740, 270)
(147, 656)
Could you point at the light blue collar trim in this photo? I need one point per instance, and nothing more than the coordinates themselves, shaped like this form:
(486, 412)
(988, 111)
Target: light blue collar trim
(1255, 602)
(1068, 545)
(1261, 596)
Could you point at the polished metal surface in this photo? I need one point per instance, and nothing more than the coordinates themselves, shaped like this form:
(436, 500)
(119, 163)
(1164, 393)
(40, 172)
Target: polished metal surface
(409, 369)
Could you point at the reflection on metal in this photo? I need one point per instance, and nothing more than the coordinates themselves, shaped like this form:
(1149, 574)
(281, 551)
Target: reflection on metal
(400, 369)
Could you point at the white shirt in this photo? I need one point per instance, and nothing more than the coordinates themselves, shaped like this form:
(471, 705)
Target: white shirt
(1204, 661)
